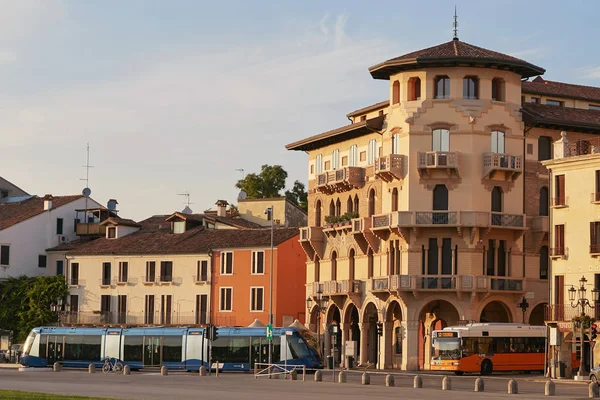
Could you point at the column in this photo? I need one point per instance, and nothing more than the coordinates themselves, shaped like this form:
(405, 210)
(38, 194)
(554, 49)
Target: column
(364, 340)
(345, 338)
(387, 350)
(410, 345)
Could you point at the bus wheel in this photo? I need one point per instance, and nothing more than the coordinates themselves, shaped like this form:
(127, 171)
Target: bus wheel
(459, 373)
(486, 367)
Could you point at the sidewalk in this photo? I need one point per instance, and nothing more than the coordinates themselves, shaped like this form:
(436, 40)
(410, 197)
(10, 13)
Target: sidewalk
(10, 366)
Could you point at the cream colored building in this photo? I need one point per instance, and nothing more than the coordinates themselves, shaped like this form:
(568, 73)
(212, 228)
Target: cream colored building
(417, 208)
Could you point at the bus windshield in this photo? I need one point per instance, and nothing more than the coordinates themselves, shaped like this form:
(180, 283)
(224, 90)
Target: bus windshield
(446, 348)
(28, 343)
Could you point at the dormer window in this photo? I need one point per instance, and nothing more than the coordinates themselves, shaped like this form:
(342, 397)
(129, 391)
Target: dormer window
(414, 89)
(111, 232)
(396, 92)
(470, 87)
(442, 87)
(179, 227)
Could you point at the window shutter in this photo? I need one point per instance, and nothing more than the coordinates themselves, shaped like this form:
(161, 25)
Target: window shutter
(592, 233)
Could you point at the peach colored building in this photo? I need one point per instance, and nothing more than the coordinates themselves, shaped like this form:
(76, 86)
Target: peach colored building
(417, 208)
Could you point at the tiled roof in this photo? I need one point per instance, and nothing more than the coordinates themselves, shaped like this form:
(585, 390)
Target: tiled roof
(13, 213)
(194, 241)
(454, 53)
(233, 220)
(155, 223)
(575, 119)
(120, 221)
(367, 109)
(560, 89)
(73, 244)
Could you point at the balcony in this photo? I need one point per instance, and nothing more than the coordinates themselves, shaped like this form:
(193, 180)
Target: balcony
(433, 218)
(510, 221)
(364, 237)
(557, 252)
(595, 250)
(103, 318)
(381, 284)
(540, 224)
(502, 284)
(311, 240)
(559, 202)
(340, 180)
(341, 288)
(495, 163)
(565, 312)
(438, 161)
(75, 282)
(432, 283)
(90, 229)
(390, 167)
(315, 288)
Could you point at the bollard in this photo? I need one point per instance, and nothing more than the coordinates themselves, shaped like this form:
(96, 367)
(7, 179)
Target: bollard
(126, 370)
(56, 367)
(255, 369)
(513, 387)
(479, 385)
(164, 371)
(342, 377)
(294, 375)
(593, 390)
(91, 368)
(389, 380)
(366, 378)
(418, 382)
(217, 369)
(550, 389)
(318, 376)
(202, 371)
(446, 383)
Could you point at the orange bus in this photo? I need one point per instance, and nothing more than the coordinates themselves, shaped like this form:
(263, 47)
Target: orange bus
(487, 347)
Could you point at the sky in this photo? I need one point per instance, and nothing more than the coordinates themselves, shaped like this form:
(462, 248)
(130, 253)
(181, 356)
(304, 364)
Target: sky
(175, 96)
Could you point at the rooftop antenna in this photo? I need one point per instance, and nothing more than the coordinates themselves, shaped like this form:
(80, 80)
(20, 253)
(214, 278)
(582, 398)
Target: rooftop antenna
(455, 24)
(87, 191)
(242, 171)
(187, 197)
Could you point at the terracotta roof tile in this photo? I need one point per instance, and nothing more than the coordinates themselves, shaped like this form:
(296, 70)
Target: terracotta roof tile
(233, 220)
(560, 89)
(576, 119)
(120, 221)
(13, 213)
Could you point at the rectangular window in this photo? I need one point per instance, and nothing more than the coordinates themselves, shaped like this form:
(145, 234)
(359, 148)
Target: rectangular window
(225, 298)
(202, 271)
(595, 237)
(335, 159)
(105, 303)
(319, 164)
(201, 308)
(353, 155)
(149, 309)
(150, 271)
(179, 227)
(372, 151)
(535, 100)
(559, 190)
(74, 274)
(594, 107)
(396, 144)
(106, 274)
(491, 258)
(502, 258)
(226, 263)
(327, 165)
(257, 299)
(442, 87)
(470, 87)
(59, 226)
(597, 186)
(344, 161)
(446, 256)
(166, 271)
(60, 267)
(432, 257)
(258, 262)
(123, 271)
(166, 309)
(529, 148)
(112, 232)
(441, 140)
(122, 309)
(498, 142)
(4, 255)
(554, 102)
(42, 259)
(73, 303)
(559, 240)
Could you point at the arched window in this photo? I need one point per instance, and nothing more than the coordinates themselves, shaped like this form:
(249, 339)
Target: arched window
(356, 209)
(317, 270)
(370, 263)
(395, 199)
(414, 89)
(331, 208)
(338, 208)
(440, 202)
(371, 202)
(396, 92)
(498, 89)
(441, 140)
(351, 265)
(544, 262)
(544, 201)
(349, 205)
(496, 199)
(497, 142)
(318, 213)
(442, 87)
(544, 148)
(470, 87)
(396, 144)
(334, 266)
(319, 164)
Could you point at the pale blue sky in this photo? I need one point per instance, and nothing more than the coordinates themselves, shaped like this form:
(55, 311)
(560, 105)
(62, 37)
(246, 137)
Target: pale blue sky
(175, 95)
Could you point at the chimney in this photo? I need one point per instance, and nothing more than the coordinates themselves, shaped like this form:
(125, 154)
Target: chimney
(222, 208)
(47, 202)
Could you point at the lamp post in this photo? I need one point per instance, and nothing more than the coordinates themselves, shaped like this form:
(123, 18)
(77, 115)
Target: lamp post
(56, 307)
(320, 308)
(269, 213)
(582, 302)
(523, 305)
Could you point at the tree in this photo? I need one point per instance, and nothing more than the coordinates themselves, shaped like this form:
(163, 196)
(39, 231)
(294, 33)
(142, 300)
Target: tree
(267, 184)
(298, 195)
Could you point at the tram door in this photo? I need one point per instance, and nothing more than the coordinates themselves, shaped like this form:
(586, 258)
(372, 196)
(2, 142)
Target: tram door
(152, 351)
(55, 349)
(259, 351)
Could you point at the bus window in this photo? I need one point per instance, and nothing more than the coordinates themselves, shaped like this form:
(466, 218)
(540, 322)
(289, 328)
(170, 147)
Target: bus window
(90, 347)
(239, 350)
(73, 347)
(484, 345)
(171, 350)
(133, 348)
(501, 345)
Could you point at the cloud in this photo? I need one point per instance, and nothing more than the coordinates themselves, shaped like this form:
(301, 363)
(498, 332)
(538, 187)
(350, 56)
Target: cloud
(589, 73)
(535, 53)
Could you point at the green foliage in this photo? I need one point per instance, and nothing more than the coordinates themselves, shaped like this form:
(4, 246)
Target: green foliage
(298, 195)
(25, 302)
(334, 219)
(586, 320)
(267, 184)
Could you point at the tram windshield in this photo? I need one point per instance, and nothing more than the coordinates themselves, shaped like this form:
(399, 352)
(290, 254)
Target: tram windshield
(311, 341)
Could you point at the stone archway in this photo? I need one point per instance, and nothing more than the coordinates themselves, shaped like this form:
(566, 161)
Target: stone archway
(333, 316)
(495, 311)
(351, 332)
(436, 314)
(369, 338)
(536, 316)
(393, 334)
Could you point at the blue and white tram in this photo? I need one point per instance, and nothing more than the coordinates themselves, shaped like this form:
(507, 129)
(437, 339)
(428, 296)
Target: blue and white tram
(236, 349)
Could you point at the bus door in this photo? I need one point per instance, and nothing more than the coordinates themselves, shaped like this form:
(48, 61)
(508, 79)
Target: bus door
(55, 349)
(152, 351)
(259, 351)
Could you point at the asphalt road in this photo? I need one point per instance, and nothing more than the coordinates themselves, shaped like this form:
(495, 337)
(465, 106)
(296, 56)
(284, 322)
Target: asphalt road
(144, 385)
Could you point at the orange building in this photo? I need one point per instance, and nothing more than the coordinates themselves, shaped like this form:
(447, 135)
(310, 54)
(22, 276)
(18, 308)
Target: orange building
(241, 279)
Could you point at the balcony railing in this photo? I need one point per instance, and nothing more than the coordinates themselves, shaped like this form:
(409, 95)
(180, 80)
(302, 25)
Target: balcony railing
(565, 312)
(540, 224)
(91, 229)
(99, 318)
(595, 248)
(75, 282)
(316, 288)
(389, 167)
(436, 218)
(311, 233)
(345, 178)
(448, 160)
(380, 284)
(106, 282)
(439, 282)
(583, 147)
(557, 252)
(341, 287)
(507, 220)
(558, 202)
(431, 282)
(493, 162)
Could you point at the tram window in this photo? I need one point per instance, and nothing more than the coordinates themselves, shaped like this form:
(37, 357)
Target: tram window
(298, 347)
(43, 340)
(73, 347)
(220, 349)
(91, 347)
(172, 349)
(133, 348)
(276, 357)
(239, 350)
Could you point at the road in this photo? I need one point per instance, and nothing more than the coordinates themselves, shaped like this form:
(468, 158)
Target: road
(145, 385)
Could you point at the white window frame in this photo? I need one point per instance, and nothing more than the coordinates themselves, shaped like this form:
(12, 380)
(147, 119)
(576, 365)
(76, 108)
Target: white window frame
(396, 144)
(498, 137)
(120, 272)
(199, 271)
(179, 227)
(335, 159)
(255, 262)
(353, 159)
(372, 153)
(319, 164)
(254, 296)
(223, 265)
(221, 291)
(440, 144)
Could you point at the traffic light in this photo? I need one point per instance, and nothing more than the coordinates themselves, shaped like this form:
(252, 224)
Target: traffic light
(213, 332)
(594, 333)
(380, 328)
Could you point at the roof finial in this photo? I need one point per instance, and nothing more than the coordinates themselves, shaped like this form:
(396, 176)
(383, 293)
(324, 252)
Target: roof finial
(455, 24)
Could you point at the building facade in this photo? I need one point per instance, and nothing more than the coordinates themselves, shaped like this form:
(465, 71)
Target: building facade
(417, 209)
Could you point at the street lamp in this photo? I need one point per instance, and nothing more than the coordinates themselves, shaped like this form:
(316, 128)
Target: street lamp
(269, 213)
(56, 308)
(321, 307)
(582, 302)
(523, 305)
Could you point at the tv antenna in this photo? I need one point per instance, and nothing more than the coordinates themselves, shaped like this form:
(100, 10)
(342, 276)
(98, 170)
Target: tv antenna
(87, 167)
(186, 194)
(455, 24)
(242, 171)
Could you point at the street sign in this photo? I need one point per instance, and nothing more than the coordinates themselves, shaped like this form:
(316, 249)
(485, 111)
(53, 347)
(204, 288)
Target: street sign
(269, 332)
(530, 295)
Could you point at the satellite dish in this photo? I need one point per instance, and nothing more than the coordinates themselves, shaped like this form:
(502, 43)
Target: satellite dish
(242, 195)
(86, 192)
